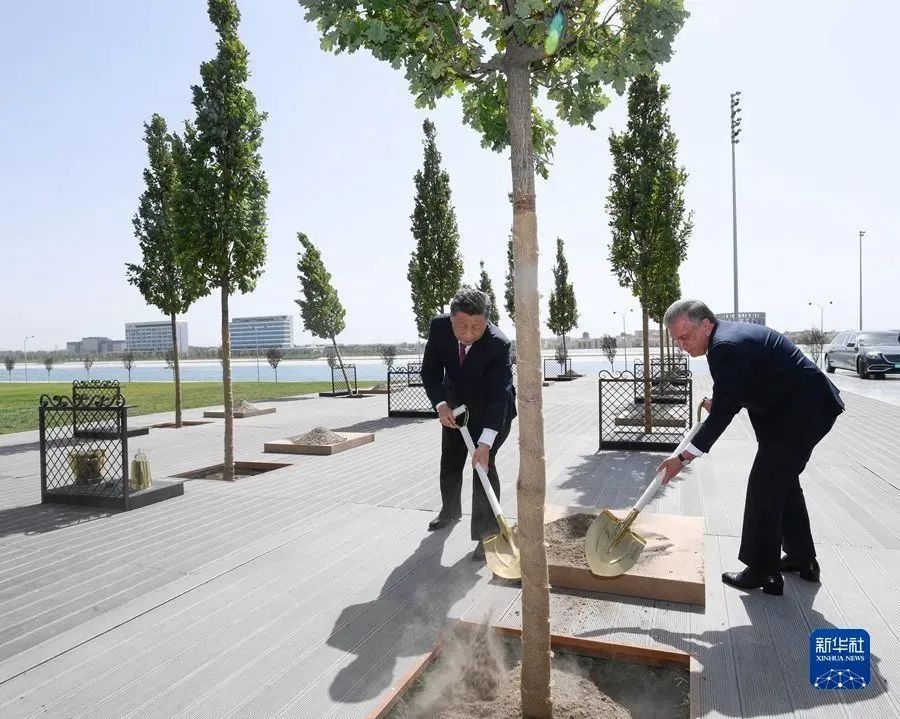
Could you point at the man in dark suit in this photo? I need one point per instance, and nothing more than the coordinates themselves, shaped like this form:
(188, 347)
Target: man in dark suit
(792, 405)
(467, 361)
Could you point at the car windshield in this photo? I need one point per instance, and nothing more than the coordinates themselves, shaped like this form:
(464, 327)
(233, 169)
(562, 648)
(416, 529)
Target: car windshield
(879, 338)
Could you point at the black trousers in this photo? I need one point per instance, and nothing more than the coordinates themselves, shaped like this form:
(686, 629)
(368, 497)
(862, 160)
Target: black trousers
(775, 515)
(454, 460)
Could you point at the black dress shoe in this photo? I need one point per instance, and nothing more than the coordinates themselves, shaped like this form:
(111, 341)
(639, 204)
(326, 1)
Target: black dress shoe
(809, 570)
(478, 554)
(751, 579)
(441, 522)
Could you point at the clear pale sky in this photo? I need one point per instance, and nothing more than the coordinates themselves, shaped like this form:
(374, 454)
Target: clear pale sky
(817, 162)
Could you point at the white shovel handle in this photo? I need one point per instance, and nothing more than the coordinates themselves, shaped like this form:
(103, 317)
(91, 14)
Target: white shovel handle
(482, 472)
(654, 486)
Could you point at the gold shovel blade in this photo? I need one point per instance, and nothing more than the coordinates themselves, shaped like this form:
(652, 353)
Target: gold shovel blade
(604, 558)
(501, 553)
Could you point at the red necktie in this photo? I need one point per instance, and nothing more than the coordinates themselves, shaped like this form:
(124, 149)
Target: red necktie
(462, 354)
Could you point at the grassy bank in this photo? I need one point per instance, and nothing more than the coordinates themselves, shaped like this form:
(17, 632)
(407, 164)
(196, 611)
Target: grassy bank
(19, 401)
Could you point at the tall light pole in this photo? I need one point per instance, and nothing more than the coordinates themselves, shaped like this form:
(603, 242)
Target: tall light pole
(624, 334)
(25, 352)
(256, 334)
(821, 313)
(862, 233)
(735, 131)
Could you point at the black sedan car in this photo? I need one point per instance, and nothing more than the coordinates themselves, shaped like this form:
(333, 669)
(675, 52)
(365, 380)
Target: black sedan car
(866, 353)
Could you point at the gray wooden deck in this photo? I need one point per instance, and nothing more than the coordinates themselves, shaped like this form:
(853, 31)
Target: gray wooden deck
(310, 590)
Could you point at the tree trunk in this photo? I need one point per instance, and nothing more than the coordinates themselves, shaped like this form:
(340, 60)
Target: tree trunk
(565, 355)
(536, 703)
(648, 387)
(228, 466)
(340, 360)
(177, 372)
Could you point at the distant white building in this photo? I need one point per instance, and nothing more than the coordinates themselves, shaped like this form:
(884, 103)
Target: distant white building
(155, 336)
(263, 332)
(95, 346)
(753, 318)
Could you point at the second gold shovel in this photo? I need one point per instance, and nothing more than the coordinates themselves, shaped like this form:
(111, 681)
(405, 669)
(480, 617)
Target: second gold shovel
(611, 547)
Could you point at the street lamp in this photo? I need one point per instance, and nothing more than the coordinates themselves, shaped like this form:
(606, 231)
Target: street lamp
(624, 334)
(25, 352)
(821, 313)
(862, 233)
(256, 334)
(735, 131)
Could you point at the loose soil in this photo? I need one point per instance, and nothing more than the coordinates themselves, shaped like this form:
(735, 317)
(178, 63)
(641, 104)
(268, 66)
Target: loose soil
(565, 542)
(477, 676)
(243, 405)
(319, 436)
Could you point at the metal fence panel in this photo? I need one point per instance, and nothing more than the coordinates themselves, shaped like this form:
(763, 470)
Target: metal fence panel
(621, 404)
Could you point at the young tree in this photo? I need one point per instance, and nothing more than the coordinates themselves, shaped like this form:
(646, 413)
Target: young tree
(435, 267)
(388, 354)
(320, 306)
(161, 278)
(48, 365)
(274, 355)
(10, 363)
(610, 347)
(498, 56)
(88, 363)
(815, 341)
(509, 294)
(128, 360)
(486, 286)
(563, 309)
(223, 190)
(650, 228)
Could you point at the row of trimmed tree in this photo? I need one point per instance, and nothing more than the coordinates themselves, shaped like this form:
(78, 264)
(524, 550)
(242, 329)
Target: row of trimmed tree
(201, 220)
(435, 268)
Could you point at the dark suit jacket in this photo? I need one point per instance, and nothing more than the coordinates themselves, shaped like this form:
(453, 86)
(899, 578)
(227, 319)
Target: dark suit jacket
(786, 395)
(483, 383)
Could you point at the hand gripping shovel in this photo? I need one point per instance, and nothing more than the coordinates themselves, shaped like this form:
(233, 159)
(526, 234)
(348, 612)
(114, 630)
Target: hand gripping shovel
(611, 547)
(500, 551)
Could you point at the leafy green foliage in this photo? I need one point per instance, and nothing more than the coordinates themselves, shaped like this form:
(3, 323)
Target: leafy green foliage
(486, 286)
(649, 223)
(222, 202)
(447, 48)
(435, 266)
(563, 315)
(320, 307)
(161, 278)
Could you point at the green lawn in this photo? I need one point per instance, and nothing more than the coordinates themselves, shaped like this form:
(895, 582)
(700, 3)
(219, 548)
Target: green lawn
(19, 401)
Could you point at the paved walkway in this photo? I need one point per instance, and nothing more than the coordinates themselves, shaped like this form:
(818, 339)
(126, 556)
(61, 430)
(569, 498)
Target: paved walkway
(310, 590)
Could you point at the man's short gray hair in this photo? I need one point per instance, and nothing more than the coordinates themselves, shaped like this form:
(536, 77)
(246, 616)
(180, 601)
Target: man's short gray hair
(471, 302)
(695, 310)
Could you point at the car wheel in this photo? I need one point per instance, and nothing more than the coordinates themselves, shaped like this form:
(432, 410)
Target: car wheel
(861, 369)
(828, 367)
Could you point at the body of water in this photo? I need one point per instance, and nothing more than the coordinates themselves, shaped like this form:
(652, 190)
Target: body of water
(368, 369)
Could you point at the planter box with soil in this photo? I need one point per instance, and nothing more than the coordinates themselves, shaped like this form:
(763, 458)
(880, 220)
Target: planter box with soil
(670, 568)
(241, 470)
(320, 441)
(474, 671)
